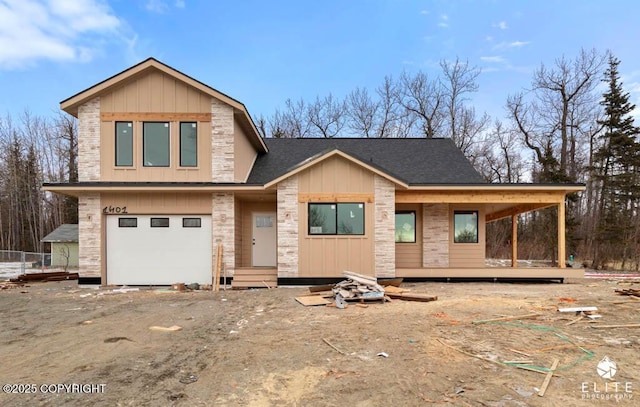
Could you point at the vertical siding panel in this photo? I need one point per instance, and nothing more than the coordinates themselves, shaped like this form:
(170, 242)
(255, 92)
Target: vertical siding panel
(169, 94)
(144, 94)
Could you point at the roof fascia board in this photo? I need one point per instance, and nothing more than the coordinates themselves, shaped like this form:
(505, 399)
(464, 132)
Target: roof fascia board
(329, 154)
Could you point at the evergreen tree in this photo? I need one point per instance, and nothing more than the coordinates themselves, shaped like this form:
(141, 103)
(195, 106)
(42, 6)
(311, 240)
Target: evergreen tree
(617, 163)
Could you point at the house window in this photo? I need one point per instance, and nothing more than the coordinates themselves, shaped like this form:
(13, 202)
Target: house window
(155, 144)
(406, 227)
(124, 144)
(188, 144)
(465, 226)
(159, 222)
(336, 219)
(127, 222)
(191, 222)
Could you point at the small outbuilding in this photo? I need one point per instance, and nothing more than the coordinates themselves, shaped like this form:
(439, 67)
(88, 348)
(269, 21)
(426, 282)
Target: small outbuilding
(64, 246)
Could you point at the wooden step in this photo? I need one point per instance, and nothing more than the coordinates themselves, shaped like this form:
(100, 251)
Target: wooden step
(255, 278)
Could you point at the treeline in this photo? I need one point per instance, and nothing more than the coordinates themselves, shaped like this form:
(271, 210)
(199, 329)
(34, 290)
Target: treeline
(561, 129)
(34, 150)
(574, 123)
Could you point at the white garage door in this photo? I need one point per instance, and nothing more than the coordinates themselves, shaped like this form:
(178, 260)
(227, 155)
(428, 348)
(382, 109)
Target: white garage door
(158, 249)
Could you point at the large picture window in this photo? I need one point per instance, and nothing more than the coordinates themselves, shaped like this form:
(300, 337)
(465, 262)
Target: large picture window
(465, 226)
(336, 218)
(155, 144)
(124, 144)
(406, 227)
(188, 144)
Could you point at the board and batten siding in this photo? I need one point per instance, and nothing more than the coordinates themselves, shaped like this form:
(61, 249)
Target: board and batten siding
(160, 94)
(409, 255)
(467, 254)
(152, 203)
(331, 180)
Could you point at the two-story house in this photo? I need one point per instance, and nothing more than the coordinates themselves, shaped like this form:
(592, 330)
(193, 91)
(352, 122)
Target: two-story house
(174, 174)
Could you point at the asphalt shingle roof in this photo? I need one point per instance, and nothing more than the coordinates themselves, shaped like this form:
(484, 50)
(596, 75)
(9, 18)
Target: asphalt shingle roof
(412, 160)
(66, 233)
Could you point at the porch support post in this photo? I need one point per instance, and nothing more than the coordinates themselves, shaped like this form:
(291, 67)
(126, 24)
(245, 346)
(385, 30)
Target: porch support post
(561, 238)
(514, 240)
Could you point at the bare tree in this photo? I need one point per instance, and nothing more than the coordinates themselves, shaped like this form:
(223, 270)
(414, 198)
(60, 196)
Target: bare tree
(326, 116)
(423, 98)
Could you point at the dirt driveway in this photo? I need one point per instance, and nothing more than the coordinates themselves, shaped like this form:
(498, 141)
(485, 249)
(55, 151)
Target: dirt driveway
(262, 348)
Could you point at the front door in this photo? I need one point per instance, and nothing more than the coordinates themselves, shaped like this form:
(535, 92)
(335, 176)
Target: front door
(264, 239)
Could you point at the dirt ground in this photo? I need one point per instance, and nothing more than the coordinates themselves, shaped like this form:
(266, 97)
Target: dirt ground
(262, 348)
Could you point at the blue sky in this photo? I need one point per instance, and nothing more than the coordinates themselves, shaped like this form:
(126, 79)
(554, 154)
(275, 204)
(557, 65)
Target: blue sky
(263, 52)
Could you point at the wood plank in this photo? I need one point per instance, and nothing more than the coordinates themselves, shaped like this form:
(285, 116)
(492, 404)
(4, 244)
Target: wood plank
(152, 116)
(320, 288)
(509, 318)
(412, 297)
(562, 246)
(256, 277)
(395, 282)
(313, 300)
(476, 196)
(393, 289)
(252, 284)
(547, 379)
(514, 210)
(514, 240)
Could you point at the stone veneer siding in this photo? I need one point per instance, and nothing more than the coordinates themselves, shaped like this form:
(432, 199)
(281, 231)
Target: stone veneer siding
(385, 228)
(89, 141)
(222, 164)
(223, 230)
(435, 235)
(90, 235)
(288, 227)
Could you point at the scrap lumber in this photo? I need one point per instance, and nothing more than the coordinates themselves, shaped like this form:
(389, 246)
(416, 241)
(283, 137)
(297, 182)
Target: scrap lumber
(320, 288)
(632, 292)
(468, 353)
(547, 379)
(390, 282)
(531, 369)
(325, 340)
(364, 280)
(616, 326)
(172, 328)
(312, 300)
(578, 309)
(393, 289)
(509, 318)
(46, 276)
(412, 297)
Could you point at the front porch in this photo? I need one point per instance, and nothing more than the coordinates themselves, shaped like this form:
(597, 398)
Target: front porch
(545, 273)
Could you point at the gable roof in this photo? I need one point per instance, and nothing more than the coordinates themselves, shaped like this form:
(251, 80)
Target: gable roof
(65, 233)
(413, 161)
(71, 104)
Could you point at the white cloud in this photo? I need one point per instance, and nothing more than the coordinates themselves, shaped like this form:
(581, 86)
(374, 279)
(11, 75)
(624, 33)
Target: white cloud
(488, 38)
(443, 21)
(424, 12)
(512, 44)
(179, 4)
(495, 59)
(501, 25)
(60, 30)
(157, 6)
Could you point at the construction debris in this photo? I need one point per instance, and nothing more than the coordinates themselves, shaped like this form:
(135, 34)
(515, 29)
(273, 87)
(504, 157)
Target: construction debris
(578, 309)
(509, 318)
(47, 276)
(173, 328)
(412, 297)
(632, 292)
(547, 379)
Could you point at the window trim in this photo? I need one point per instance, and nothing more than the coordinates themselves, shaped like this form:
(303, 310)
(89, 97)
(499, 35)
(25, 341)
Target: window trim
(180, 145)
(115, 142)
(467, 212)
(415, 225)
(337, 232)
(144, 151)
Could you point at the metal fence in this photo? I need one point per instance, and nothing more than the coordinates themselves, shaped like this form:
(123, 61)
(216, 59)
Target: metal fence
(13, 263)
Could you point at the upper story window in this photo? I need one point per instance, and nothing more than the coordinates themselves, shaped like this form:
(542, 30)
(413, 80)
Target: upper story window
(188, 144)
(336, 219)
(124, 144)
(155, 144)
(465, 227)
